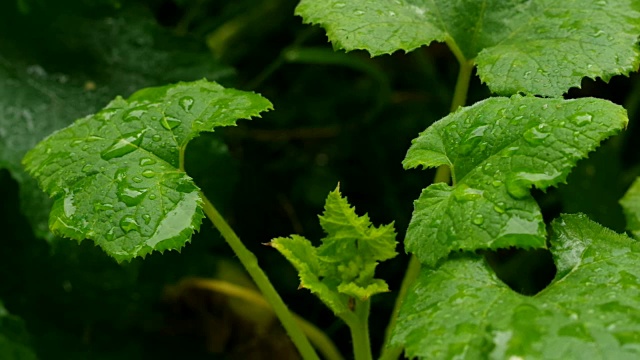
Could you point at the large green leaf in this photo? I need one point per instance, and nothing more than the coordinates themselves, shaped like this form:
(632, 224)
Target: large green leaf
(497, 149)
(539, 46)
(590, 311)
(117, 176)
(343, 266)
(43, 88)
(631, 206)
(14, 339)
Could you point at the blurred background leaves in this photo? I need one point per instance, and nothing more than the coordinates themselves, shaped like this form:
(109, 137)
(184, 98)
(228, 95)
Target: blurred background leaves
(338, 118)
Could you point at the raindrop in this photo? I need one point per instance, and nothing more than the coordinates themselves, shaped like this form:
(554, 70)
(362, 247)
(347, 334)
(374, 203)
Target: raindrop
(147, 161)
(152, 196)
(102, 206)
(110, 235)
(136, 179)
(534, 136)
(106, 114)
(146, 218)
(392, 13)
(499, 207)
(148, 173)
(128, 223)
(517, 188)
(478, 219)
(339, 5)
(471, 142)
(170, 123)
(496, 183)
(130, 196)
(126, 144)
(510, 150)
(134, 114)
(156, 137)
(186, 103)
(582, 119)
(466, 193)
(87, 168)
(358, 12)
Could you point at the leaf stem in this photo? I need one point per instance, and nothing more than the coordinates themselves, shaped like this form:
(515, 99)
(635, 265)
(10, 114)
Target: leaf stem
(250, 262)
(443, 174)
(360, 331)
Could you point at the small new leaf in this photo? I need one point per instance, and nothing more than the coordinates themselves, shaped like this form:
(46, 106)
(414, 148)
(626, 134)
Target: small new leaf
(541, 47)
(497, 149)
(117, 176)
(344, 265)
(14, 339)
(631, 206)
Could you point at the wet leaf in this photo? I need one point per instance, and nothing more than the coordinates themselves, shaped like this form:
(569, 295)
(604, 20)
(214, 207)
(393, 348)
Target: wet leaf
(116, 177)
(591, 310)
(631, 206)
(497, 150)
(541, 47)
(343, 266)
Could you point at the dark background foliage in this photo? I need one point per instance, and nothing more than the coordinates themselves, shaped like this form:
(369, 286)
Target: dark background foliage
(338, 118)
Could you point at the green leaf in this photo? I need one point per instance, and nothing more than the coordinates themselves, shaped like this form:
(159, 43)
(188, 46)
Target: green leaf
(497, 149)
(590, 311)
(117, 176)
(43, 88)
(539, 47)
(631, 206)
(14, 339)
(343, 266)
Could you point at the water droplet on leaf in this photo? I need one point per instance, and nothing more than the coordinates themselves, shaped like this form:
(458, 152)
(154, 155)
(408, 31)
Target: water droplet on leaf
(146, 218)
(128, 143)
(534, 136)
(148, 173)
(128, 223)
(582, 119)
(147, 161)
(186, 103)
(170, 123)
(478, 219)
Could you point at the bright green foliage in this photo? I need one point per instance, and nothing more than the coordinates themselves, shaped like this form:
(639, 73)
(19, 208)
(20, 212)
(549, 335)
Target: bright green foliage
(343, 266)
(539, 47)
(631, 205)
(117, 176)
(590, 311)
(14, 340)
(497, 149)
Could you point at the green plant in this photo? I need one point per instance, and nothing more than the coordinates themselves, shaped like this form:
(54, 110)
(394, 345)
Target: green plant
(119, 177)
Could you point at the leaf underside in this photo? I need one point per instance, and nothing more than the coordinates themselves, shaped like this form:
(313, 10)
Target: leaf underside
(631, 206)
(590, 311)
(343, 266)
(497, 150)
(116, 176)
(541, 47)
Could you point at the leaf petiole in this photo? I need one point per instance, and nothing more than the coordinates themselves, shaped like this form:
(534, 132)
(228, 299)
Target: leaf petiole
(250, 263)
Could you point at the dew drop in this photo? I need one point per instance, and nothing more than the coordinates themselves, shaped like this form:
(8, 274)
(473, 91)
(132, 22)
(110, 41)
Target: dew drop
(106, 114)
(339, 5)
(156, 137)
(146, 218)
(148, 173)
(517, 188)
(102, 206)
(582, 119)
(128, 223)
(534, 136)
(126, 144)
(478, 219)
(110, 235)
(147, 161)
(152, 196)
(87, 168)
(134, 114)
(170, 123)
(510, 151)
(496, 183)
(136, 179)
(358, 12)
(465, 193)
(499, 207)
(186, 103)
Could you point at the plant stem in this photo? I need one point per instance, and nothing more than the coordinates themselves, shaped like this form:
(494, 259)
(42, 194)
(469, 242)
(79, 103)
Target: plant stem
(413, 270)
(443, 174)
(322, 342)
(360, 331)
(250, 263)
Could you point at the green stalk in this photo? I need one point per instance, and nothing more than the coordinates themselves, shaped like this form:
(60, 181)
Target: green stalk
(250, 263)
(360, 331)
(443, 174)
